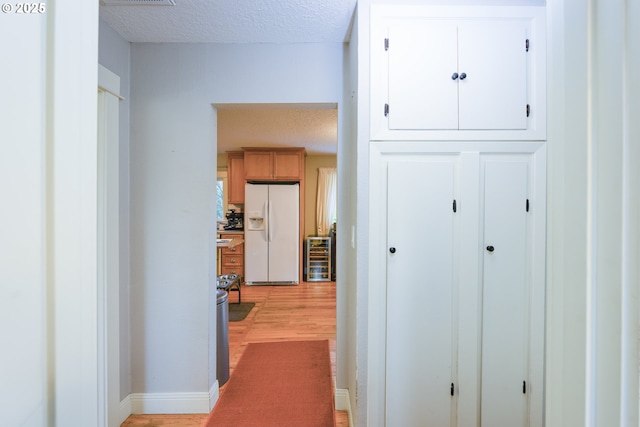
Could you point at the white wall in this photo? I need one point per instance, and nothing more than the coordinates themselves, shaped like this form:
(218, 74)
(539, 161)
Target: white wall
(23, 301)
(363, 228)
(48, 221)
(594, 195)
(349, 206)
(172, 180)
(115, 54)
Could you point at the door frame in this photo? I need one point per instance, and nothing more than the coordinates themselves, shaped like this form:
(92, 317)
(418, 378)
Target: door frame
(108, 249)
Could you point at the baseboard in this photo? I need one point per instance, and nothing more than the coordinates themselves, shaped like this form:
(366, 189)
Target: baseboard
(343, 403)
(169, 403)
(194, 403)
(214, 394)
(125, 409)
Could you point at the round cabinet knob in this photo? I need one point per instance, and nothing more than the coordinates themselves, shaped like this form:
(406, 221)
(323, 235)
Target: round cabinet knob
(392, 250)
(454, 76)
(490, 248)
(463, 76)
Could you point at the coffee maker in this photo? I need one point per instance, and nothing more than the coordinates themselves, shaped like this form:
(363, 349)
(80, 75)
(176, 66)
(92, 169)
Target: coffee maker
(234, 220)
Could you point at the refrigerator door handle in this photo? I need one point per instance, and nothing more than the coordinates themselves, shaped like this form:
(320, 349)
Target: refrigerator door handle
(265, 208)
(270, 230)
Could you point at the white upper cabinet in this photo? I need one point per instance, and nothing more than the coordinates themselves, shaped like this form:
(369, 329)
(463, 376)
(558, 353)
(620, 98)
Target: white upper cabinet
(493, 57)
(452, 73)
(422, 93)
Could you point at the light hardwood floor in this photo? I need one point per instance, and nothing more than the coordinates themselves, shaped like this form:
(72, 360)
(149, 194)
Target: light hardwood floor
(282, 313)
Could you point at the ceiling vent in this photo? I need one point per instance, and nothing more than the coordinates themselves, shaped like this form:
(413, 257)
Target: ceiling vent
(138, 2)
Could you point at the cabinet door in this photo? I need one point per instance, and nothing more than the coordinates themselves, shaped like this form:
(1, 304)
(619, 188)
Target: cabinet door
(236, 178)
(492, 55)
(422, 60)
(258, 165)
(420, 333)
(287, 165)
(505, 286)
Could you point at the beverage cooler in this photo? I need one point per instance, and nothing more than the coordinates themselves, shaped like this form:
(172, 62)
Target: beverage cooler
(317, 259)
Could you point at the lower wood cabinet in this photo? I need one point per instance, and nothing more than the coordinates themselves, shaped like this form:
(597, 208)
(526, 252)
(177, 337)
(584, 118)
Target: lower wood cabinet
(464, 309)
(232, 259)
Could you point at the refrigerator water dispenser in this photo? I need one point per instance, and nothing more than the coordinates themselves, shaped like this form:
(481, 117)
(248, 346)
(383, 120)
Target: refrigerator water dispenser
(255, 221)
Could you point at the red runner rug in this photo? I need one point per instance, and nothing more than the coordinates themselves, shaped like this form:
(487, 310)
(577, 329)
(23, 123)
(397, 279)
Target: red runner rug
(278, 384)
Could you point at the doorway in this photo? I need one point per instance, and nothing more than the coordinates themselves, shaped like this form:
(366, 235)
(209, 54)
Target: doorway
(312, 126)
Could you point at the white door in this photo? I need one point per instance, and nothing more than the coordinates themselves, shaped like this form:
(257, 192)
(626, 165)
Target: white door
(505, 298)
(493, 94)
(421, 337)
(422, 60)
(256, 247)
(283, 231)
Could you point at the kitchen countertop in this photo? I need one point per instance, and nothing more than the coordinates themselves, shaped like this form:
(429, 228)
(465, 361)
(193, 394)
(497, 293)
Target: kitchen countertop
(240, 232)
(226, 243)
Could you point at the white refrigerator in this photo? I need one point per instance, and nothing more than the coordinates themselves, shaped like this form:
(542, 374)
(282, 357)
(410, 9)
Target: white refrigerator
(271, 234)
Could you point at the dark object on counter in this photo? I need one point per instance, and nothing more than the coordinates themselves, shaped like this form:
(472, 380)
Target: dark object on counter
(229, 282)
(235, 220)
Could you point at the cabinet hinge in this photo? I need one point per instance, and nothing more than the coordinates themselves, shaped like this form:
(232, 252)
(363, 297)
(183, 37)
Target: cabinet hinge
(526, 45)
(528, 110)
(386, 44)
(524, 387)
(455, 206)
(452, 389)
(527, 205)
(386, 110)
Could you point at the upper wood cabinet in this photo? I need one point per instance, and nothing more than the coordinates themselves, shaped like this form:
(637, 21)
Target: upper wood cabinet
(458, 73)
(274, 164)
(236, 180)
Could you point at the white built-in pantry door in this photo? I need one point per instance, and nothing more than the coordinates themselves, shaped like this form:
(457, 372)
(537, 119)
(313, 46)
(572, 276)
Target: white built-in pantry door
(505, 284)
(421, 338)
(422, 59)
(492, 56)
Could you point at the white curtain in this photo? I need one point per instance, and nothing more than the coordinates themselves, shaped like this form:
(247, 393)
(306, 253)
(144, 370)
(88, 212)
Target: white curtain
(326, 202)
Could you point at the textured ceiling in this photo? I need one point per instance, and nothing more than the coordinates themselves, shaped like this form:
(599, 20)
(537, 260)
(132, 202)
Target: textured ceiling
(313, 127)
(234, 21)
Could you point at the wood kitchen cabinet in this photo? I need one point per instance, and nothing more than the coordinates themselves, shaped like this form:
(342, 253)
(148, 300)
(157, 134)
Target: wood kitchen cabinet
(274, 164)
(232, 259)
(236, 180)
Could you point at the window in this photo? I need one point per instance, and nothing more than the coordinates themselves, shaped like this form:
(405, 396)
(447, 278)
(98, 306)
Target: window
(221, 195)
(326, 202)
